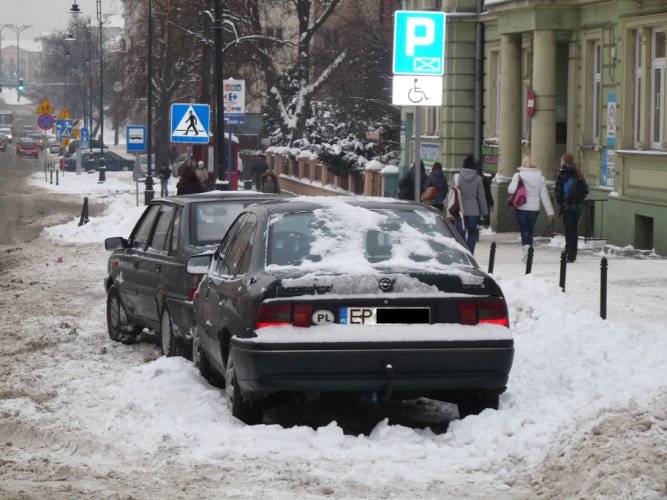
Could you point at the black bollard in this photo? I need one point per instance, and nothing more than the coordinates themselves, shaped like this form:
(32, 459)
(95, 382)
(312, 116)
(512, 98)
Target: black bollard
(84, 212)
(57, 170)
(51, 176)
(603, 288)
(529, 260)
(563, 269)
(492, 256)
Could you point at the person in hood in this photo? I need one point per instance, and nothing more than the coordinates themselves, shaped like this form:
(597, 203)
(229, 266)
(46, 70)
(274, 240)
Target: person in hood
(571, 191)
(406, 186)
(536, 191)
(270, 183)
(473, 200)
(438, 180)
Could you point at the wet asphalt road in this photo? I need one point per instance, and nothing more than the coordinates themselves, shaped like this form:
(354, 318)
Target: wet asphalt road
(24, 209)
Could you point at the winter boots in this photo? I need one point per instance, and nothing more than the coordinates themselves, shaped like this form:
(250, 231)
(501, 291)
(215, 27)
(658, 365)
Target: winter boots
(525, 253)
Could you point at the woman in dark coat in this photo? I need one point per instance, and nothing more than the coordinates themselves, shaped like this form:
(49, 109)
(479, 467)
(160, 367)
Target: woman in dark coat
(438, 180)
(188, 183)
(270, 182)
(571, 191)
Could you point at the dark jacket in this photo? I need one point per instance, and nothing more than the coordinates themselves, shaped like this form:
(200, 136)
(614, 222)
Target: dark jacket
(258, 170)
(578, 189)
(188, 183)
(438, 180)
(270, 183)
(164, 173)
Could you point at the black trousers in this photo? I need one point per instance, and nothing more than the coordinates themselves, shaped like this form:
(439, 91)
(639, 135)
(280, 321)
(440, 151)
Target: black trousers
(571, 223)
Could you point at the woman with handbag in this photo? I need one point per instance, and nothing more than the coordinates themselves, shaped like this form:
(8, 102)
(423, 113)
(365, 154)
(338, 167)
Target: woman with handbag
(536, 190)
(436, 180)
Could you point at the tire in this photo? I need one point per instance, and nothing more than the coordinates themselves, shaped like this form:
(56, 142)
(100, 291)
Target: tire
(248, 412)
(476, 402)
(201, 362)
(117, 324)
(169, 345)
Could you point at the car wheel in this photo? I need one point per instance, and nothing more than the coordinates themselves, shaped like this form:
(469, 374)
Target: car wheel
(201, 362)
(117, 324)
(476, 402)
(248, 412)
(169, 344)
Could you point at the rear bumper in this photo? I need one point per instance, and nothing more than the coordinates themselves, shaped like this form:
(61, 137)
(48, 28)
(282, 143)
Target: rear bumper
(420, 368)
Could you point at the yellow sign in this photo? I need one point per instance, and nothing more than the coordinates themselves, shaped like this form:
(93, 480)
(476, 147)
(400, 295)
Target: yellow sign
(64, 114)
(65, 142)
(45, 107)
(76, 132)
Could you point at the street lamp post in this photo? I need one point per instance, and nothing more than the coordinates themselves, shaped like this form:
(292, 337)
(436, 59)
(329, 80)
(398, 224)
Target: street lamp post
(219, 101)
(149, 192)
(18, 30)
(102, 177)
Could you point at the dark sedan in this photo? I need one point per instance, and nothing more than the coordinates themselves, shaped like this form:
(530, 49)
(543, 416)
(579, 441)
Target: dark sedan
(146, 284)
(364, 295)
(91, 161)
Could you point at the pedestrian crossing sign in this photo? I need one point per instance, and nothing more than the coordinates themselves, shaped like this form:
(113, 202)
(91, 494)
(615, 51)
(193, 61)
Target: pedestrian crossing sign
(190, 123)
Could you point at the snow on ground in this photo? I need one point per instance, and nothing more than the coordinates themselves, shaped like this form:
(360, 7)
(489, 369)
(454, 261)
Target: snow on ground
(585, 414)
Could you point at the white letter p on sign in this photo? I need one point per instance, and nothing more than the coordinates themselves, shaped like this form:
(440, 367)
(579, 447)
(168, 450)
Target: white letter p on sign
(413, 39)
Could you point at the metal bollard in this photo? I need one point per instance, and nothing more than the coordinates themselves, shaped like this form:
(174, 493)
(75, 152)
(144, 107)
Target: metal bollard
(529, 260)
(51, 176)
(603, 288)
(84, 212)
(492, 256)
(563, 269)
(57, 175)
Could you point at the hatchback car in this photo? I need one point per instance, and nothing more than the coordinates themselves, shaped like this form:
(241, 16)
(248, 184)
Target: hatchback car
(27, 147)
(363, 295)
(7, 132)
(146, 283)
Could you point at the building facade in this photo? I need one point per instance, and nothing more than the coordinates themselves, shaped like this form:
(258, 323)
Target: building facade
(577, 76)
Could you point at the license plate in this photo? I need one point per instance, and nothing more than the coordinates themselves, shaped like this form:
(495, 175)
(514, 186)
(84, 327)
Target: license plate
(384, 315)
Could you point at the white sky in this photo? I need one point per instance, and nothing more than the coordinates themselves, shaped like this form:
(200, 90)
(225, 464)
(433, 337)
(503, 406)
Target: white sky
(47, 15)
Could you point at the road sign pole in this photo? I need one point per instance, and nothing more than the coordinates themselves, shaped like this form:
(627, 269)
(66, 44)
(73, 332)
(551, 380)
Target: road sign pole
(418, 147)
(78, 158)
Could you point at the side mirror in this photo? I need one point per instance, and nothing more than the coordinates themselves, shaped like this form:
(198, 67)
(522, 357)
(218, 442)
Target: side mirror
(115, 243)
(198, 264)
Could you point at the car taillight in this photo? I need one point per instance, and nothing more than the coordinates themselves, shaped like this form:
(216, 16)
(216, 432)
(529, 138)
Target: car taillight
(283, 314)
(491, 311)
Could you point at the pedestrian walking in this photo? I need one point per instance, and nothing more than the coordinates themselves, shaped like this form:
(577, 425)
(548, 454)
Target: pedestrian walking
(536, 191)
(571, 191)
(258, 169)
(486, 182)
(164, 174)
(202, 175)
(270, 183)
(437, 180)
(473, 200)
(406, 185)
(188, 183)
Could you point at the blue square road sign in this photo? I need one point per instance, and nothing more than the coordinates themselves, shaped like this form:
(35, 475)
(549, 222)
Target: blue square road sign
(419, 43)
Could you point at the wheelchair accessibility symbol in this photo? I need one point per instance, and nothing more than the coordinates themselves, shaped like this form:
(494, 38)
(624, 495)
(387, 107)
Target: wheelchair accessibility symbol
(416, 94)
(410, 90)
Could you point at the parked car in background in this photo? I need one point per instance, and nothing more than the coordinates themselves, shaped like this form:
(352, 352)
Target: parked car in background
(141, 166)
(90, 162)
(27, 129)
(92, 144)
(27, 147)
(348, 295)
(146, 282)
(3, 142)
(7, 132)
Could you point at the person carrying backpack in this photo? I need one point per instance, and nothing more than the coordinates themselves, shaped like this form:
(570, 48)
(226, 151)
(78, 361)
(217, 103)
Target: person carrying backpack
(571, 191)
(164, 174)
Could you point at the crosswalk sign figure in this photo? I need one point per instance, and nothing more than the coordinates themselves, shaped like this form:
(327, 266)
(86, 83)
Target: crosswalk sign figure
(190, 123)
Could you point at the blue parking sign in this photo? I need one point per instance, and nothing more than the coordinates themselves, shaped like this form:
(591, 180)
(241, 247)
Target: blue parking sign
(419, 43)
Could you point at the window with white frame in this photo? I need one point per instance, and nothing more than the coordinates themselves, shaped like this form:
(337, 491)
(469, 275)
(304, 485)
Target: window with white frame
(657, 124)
(637, 95)
(596, 100)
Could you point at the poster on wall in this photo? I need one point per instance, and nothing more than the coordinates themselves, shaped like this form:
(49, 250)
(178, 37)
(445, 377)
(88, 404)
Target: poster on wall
(608, 167)
(490, 158)
(430, 153)
(611, 120)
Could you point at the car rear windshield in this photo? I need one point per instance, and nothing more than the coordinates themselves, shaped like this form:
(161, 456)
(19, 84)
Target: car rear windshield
(335, 238)
(210, 220)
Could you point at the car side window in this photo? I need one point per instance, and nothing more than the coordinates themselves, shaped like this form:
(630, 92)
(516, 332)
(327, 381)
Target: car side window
(225, 245)
(142, 231)
(160, 241)
(235, 261)
(176, 232)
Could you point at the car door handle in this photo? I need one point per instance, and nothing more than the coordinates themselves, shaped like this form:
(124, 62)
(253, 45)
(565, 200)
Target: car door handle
(158, 267)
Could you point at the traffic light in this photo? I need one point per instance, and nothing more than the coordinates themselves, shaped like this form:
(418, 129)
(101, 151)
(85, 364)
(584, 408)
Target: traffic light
(21, 87)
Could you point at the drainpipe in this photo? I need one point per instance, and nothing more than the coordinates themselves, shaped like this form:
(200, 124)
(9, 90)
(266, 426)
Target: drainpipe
(479, 84)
